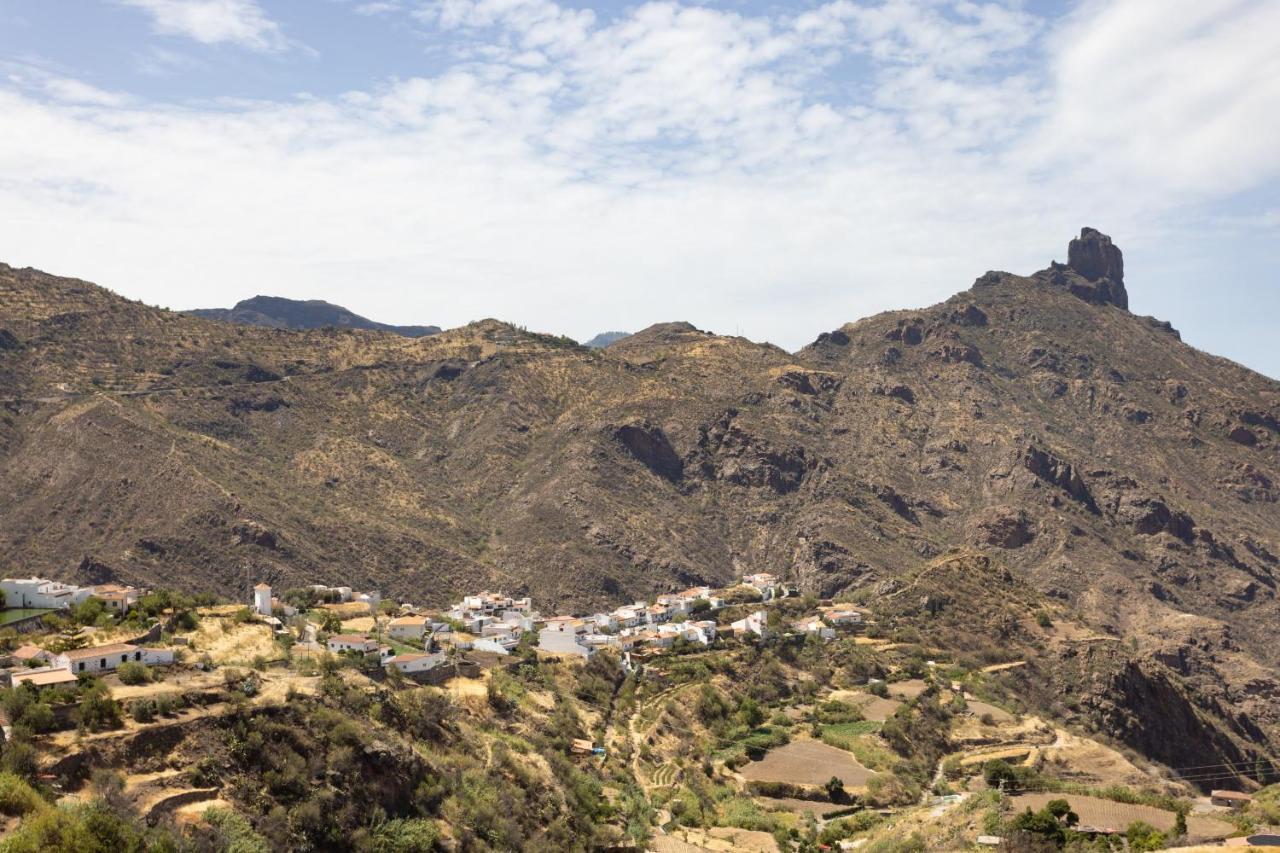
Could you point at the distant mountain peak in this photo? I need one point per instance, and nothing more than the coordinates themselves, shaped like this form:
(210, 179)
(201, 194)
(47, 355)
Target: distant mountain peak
(603, 339)
(280, 312)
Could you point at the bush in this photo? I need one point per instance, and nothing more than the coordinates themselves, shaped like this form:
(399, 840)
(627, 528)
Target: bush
(99, 711)
(17, 798)
(39, 718)
(142, 710)
(400, 836)
(133, 673)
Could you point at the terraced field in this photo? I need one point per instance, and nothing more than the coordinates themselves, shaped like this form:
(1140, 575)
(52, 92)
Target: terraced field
(808, 762)
(1109, 816)
(666, 775)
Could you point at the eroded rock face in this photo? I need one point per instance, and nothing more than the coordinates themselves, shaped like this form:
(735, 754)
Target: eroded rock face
(1094, 257)
(1058, 472)
(650, 445)
(1001, 527)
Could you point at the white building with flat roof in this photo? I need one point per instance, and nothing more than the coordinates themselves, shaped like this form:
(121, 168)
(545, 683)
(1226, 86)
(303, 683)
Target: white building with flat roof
(38, 593)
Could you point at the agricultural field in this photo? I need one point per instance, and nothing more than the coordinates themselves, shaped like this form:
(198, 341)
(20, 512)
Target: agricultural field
(808, 762)
(872, 707)
(1114, 816)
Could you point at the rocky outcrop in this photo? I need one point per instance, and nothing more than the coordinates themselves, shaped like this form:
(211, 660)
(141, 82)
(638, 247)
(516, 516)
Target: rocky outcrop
(1058, 472)
(1001, 527)
(651, 447)
(1099, 261)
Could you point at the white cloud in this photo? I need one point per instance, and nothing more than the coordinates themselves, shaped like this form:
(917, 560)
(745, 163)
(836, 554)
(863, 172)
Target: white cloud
(574, 173)
(1182, 94)
(240, 22)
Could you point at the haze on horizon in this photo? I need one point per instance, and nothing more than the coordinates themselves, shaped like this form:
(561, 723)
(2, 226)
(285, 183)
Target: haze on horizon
(766, 169)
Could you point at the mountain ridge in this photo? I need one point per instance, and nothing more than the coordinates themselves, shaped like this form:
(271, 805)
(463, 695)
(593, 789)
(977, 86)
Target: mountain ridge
(284, 313)
(1116, 470)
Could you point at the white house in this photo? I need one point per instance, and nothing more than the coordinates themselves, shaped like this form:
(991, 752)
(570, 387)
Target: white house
(629, 617)
(489, 644)
(109, 657)
(657, 639)
(764, 583)
(842, 616)
(814, 625)
(409, 664)
(562, 643)
(351, 643)
(507, 635)
(565, 625)
(157, 657)
(703, 632)
(29, 652)
(45, 676)
(488, 602)
(658, 613)
(675, 603)
(42, 594)
(703, 593)
(408, 628)
(116, 597)
(757, 623)
(262, 599)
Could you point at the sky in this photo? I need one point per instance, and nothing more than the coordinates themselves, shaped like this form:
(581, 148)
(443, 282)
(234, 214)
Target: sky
(769, 169)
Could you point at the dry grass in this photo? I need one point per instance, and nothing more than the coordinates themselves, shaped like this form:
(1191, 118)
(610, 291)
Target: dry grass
(1116, 817)
(808, 762)
(907, 689)
(228, 642)
(461, 688)
(348, 610)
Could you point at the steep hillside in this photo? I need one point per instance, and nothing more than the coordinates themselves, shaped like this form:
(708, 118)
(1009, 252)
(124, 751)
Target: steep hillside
(1120, 472)
(277, 312)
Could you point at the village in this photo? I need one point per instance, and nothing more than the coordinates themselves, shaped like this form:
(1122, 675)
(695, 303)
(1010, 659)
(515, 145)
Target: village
(409, 639)
(89, 663)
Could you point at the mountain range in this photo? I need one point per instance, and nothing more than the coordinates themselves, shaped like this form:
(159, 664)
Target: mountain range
(1030, 427)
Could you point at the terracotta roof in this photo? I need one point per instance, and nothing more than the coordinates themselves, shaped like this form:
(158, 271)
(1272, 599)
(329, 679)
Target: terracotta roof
(409, 620)
(407, 658)
(27, 652)
(1231, 795)
(263, 586)
(349, 638)
(99, 651)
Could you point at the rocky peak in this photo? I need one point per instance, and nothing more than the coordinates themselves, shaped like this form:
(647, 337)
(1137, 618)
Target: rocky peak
(1096, 259)
(1094, 271)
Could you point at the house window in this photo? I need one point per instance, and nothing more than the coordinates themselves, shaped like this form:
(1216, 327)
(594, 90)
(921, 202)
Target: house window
(137, 655)
(123, 658)
(82, 666)
(102, 664)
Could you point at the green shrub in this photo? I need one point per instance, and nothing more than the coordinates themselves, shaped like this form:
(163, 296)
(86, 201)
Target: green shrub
(38, 717)
(17, 798)
(142, 710)
(400, 836)
(133, 673)
(99, 711)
